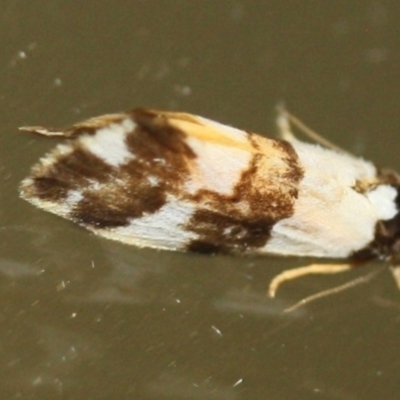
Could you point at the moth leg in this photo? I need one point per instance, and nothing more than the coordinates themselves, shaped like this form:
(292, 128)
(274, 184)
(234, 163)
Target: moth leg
(295, 273)
(396, 275)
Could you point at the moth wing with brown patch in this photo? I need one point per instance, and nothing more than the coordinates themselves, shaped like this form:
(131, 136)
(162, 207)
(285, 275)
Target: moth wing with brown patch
(167, 180)
(178, 181)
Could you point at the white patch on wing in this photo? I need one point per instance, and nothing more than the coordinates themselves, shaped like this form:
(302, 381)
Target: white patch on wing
(217, 167)
(61, 150)
(62, 208)
(153, 180)
(330, 219)
(109, 143)
(162, 229)
(343, 168)
(74, 197)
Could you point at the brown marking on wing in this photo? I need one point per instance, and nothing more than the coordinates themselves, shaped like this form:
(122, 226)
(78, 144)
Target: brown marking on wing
(156, 136)
(114, 195)
(264, 194)
(68, 172)
(92, 125)
(140, 186)
(222, 233)
(114, 206)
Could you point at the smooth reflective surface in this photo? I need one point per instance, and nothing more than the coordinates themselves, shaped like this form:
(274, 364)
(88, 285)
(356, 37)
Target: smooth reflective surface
(82, 317)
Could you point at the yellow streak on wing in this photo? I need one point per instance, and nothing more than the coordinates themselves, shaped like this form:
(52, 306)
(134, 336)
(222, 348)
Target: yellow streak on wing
(201, 130)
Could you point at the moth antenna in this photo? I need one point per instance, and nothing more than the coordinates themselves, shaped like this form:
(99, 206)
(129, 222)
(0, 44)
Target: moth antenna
(283, 124)
(334, 290)
(301, 126)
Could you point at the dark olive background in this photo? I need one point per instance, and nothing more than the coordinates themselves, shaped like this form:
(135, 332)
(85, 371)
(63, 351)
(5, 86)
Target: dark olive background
(85, 318)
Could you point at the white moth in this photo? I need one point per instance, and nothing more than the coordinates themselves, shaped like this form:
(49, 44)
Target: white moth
(182, 182)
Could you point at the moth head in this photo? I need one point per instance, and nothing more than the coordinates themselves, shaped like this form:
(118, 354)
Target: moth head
(387, 234)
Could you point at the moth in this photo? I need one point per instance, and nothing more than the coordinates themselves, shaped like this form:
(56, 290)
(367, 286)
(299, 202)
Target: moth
(178, 181)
